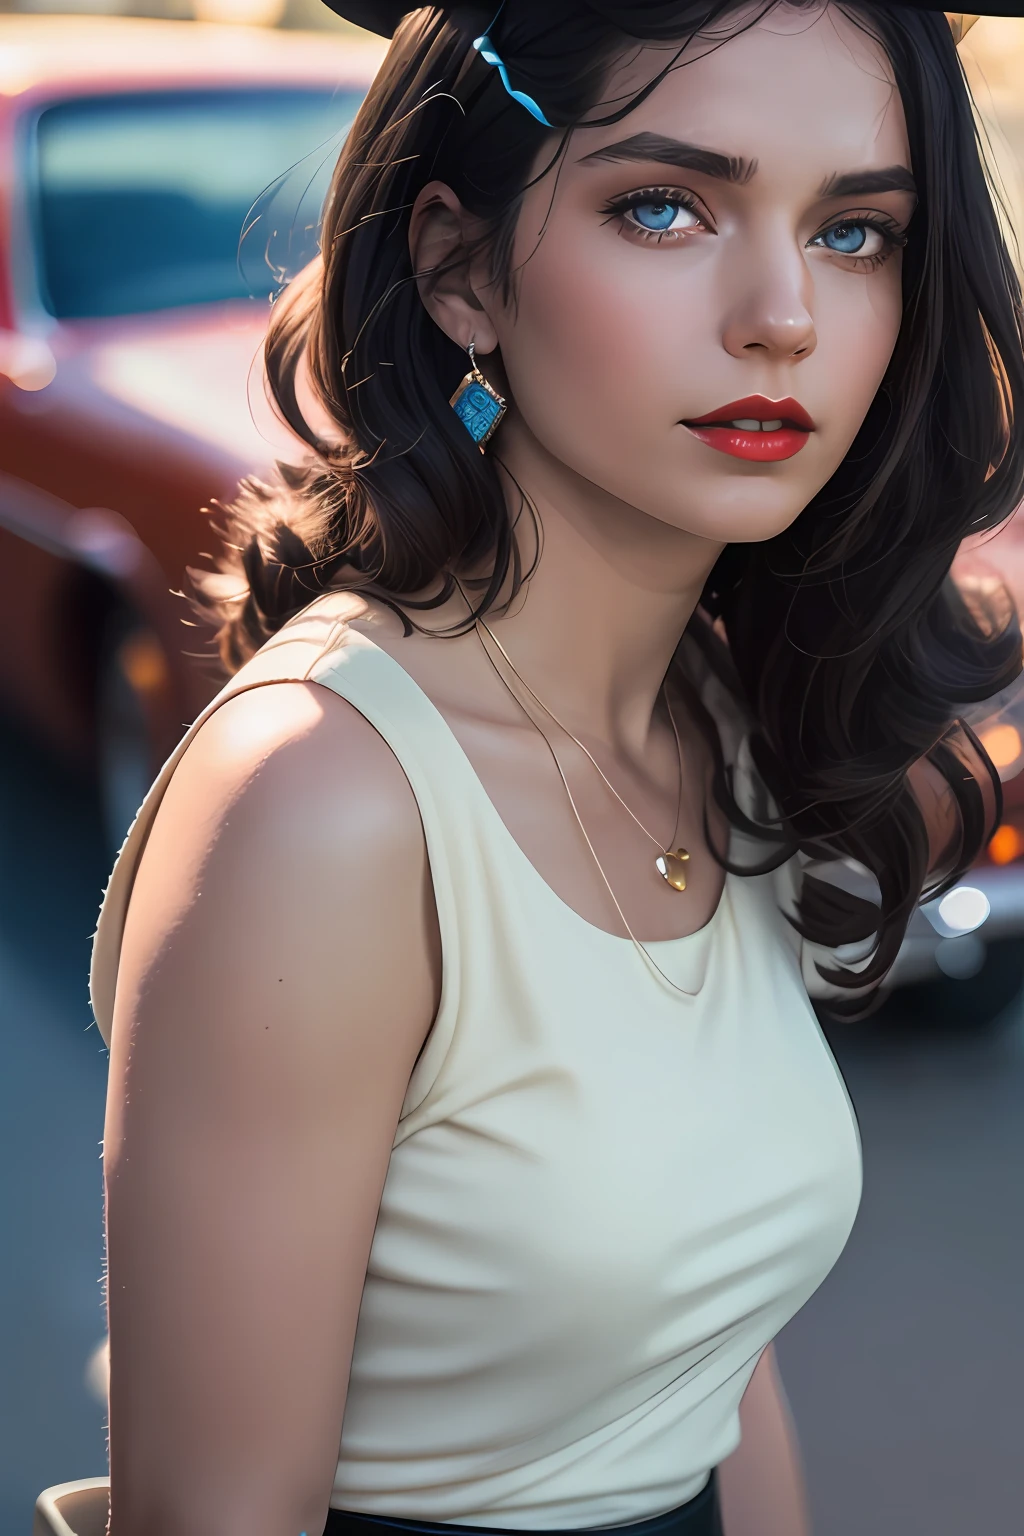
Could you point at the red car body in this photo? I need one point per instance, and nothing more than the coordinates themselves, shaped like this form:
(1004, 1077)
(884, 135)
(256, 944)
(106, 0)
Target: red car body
(104, 470)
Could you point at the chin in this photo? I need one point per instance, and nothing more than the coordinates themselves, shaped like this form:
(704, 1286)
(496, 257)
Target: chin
(737, 519)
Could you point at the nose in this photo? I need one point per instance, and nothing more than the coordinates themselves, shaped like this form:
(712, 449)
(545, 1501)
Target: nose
(769, 315)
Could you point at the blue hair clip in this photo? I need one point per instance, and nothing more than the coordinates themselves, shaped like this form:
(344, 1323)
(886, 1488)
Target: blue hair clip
(485, 48)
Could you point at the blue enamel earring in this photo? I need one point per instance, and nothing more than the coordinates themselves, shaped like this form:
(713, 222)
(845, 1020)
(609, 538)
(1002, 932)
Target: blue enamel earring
(477, 405)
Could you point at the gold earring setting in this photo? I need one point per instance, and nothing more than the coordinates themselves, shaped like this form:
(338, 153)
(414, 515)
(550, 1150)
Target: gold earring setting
(477, 404)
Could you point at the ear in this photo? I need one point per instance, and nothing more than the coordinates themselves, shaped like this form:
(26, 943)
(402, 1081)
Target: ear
(441, 239)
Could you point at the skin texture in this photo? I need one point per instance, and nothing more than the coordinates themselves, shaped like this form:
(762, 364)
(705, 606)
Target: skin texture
(761, 1483)
(263, 1034)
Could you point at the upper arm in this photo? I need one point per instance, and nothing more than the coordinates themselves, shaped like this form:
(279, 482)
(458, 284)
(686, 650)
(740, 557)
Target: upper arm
(762, 1485)
(278, 974)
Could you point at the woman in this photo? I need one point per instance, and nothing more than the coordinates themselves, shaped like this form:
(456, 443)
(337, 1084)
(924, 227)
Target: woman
(467, 1108)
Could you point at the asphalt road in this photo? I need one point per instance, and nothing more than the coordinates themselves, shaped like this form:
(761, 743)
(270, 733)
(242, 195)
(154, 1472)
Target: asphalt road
(906, 1370)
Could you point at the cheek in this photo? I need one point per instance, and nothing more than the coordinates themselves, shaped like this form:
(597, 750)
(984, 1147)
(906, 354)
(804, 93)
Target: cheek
(593, 352)
(612, 346)
(857, 322)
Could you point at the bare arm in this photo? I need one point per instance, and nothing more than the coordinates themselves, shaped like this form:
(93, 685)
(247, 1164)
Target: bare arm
(762, 1484)
(275, 987)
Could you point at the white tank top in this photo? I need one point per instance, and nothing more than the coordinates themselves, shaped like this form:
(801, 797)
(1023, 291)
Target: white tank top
(604, 1199)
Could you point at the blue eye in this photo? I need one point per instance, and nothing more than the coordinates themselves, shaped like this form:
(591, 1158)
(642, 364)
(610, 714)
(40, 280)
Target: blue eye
(847, 239)
(656, 216)
(660, 215)
(656, 211)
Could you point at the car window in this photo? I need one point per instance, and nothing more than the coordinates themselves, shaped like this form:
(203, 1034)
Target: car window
(141, 200)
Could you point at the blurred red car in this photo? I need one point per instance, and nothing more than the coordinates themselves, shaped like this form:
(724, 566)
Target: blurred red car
(133, 154)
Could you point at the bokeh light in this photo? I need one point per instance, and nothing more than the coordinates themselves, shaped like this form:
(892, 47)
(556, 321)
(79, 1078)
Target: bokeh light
(964, 908)
(1003, 744)
(1006, 845)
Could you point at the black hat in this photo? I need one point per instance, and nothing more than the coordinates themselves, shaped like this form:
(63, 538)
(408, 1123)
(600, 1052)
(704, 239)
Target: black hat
(383, 16)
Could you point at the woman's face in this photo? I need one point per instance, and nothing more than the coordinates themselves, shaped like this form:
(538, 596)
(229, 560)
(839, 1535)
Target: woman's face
(728, 253)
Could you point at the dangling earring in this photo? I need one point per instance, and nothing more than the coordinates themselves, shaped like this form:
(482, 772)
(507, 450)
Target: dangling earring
(477, 405)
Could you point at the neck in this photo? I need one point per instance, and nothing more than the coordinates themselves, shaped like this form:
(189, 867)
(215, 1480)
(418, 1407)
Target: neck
(595, 627)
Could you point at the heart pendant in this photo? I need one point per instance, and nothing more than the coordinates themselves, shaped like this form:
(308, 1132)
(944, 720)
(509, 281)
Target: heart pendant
(671, 866)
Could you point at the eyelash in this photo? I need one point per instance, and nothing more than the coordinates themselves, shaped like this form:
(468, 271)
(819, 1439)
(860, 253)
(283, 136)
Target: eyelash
(619, 208)
(894, 238)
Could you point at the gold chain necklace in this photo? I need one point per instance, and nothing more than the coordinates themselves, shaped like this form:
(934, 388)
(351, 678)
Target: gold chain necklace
(679, 853)
(671, 862)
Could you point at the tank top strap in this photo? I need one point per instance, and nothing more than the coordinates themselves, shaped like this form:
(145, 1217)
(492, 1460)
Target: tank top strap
(385, 694)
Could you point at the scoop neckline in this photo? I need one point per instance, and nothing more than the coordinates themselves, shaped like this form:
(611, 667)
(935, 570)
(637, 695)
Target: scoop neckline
(656, 946)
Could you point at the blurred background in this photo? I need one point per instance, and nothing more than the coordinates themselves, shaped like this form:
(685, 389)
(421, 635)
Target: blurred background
(294, 15)
(162, 169)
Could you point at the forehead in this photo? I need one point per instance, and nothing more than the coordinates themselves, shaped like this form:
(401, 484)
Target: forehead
(803, 88)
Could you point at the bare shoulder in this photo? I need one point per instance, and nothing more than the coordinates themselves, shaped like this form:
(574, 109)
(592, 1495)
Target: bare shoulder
(274, 852)
(295, 759)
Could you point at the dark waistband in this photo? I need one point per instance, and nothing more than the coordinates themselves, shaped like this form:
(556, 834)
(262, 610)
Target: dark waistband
(697, 1517)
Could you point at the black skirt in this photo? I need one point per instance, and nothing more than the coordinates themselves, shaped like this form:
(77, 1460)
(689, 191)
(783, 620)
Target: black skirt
(697, 1517)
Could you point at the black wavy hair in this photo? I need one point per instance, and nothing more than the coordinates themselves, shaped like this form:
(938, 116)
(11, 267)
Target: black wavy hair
(845, 635)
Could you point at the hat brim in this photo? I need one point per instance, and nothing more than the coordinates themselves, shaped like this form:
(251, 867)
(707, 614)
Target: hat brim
(383, 16)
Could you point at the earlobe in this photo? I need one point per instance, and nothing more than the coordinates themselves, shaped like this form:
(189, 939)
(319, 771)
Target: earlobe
(440, 254)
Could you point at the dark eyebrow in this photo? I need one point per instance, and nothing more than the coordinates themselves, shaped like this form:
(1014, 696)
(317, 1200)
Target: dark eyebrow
(895, 178)
(674, 152)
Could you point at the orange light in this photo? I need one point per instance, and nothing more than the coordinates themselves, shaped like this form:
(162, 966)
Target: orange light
(144, 664)
(1006, 845)
(252, 13)
(1003, 744)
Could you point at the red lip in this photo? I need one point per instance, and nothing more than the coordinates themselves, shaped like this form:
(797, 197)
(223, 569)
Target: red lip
(757, 408)
(715, 430)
